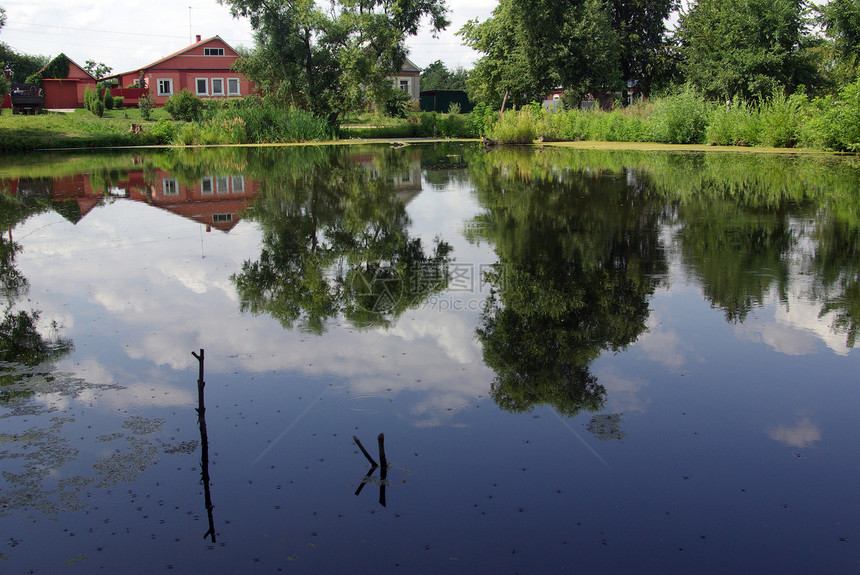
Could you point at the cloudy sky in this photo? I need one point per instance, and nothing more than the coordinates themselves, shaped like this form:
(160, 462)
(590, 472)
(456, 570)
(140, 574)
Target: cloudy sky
(129, 35)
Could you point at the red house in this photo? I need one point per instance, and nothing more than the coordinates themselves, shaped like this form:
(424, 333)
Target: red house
(204, 68)
(66, 92)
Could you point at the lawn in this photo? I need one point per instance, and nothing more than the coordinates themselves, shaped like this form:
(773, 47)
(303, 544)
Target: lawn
(80, 128)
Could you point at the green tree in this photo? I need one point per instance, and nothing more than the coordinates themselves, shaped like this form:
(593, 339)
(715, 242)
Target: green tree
(841, 22)
(331, 60)
(436, 76)
(97, 70)
(335, 242)
(579, 254)
(645, 50)
(532, 47)
(747, 49)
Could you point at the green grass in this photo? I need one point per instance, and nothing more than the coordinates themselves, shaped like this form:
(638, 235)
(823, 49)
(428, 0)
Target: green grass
(79, 129)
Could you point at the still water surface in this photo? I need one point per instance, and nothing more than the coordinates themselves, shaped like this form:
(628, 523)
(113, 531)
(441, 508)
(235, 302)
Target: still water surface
(581, 362)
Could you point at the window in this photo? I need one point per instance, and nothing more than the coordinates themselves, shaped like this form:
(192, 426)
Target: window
(165, 87)
(238, 184)
(206, 185)
(202, 86)
(217, 86)
(404, 85)
(221, 218)
(170, 187)
(213, 51)
(233, 87)
(222, 185)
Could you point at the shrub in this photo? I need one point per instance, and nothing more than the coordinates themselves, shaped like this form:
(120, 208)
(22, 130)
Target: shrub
(163, 131)
(184, 106)
(108, 99)
(781, 118)
(398, 104)
(93, 101)
(146, 103)
(118, 101)
(738, 124)
(478, 120)
(841, 121)
(680, 118)
(514, 128)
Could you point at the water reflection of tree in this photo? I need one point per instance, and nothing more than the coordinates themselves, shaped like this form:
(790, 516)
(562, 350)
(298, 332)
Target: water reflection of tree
(740, 254)
(336, 241)
(21, 342)
(836, 267)
(578, 256)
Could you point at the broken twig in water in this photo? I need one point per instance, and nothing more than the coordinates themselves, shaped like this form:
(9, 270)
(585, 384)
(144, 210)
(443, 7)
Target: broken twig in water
(364, 451)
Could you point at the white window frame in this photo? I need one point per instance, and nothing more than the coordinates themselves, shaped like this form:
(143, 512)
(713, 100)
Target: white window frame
(238, 84)
(213, 51)
(238, 184)
(205, 91)
(161, 91)
(222, 185)
(212, 82)
(222, 218)
(207, 185)
(405, 85)
(169, 187)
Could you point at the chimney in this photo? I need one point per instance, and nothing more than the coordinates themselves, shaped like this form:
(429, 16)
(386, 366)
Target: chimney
(198, 37)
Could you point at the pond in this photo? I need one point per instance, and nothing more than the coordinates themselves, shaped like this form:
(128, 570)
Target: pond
(555, 360)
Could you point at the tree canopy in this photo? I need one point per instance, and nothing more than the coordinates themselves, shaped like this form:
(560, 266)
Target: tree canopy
(747, 48)
(841, 22)
(437, 76)
(582, 46)
(331, 60)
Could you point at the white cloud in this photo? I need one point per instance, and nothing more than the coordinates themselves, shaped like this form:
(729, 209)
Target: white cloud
(140, 33)
(804, 433)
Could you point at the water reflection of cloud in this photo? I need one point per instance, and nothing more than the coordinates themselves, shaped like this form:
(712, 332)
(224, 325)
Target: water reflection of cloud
(623, 394)
(453, 333)
(660, 345)
(132, 390)
(803, 434)
(157, 299)
(793, 328)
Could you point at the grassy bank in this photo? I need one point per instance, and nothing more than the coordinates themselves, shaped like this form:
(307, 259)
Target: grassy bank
(784, 121)
(78, 129)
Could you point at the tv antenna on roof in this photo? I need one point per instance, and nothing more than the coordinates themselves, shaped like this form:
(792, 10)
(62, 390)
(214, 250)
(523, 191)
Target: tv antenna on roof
(190, 32)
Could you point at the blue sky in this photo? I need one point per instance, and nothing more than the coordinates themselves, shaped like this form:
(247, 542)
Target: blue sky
(129, 35)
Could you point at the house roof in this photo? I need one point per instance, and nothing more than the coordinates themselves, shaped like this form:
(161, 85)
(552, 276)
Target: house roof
(61, 55)
(174, 55)
(409, 66)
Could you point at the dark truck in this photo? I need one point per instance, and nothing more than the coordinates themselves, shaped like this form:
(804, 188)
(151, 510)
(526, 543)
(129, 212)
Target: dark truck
(27, 98)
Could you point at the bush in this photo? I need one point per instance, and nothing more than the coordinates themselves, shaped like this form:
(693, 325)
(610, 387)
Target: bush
(781, 118)
(184, 106)
(680, 118)
(253, 122)
(146, 103)
(398, 104)
(118, 101)
(108, 99)
(514, 127)
(734, 125)
(841, 121)
(163, 131)
(93, 101)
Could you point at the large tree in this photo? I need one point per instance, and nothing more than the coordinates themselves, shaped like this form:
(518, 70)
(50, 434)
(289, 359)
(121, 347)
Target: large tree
(841, 22)
(330, 60)
(531, 46)
(437, 76)
(747, 48)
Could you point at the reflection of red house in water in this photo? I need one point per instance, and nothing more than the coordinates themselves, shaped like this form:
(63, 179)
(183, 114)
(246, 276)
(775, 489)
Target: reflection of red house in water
(217, 201)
